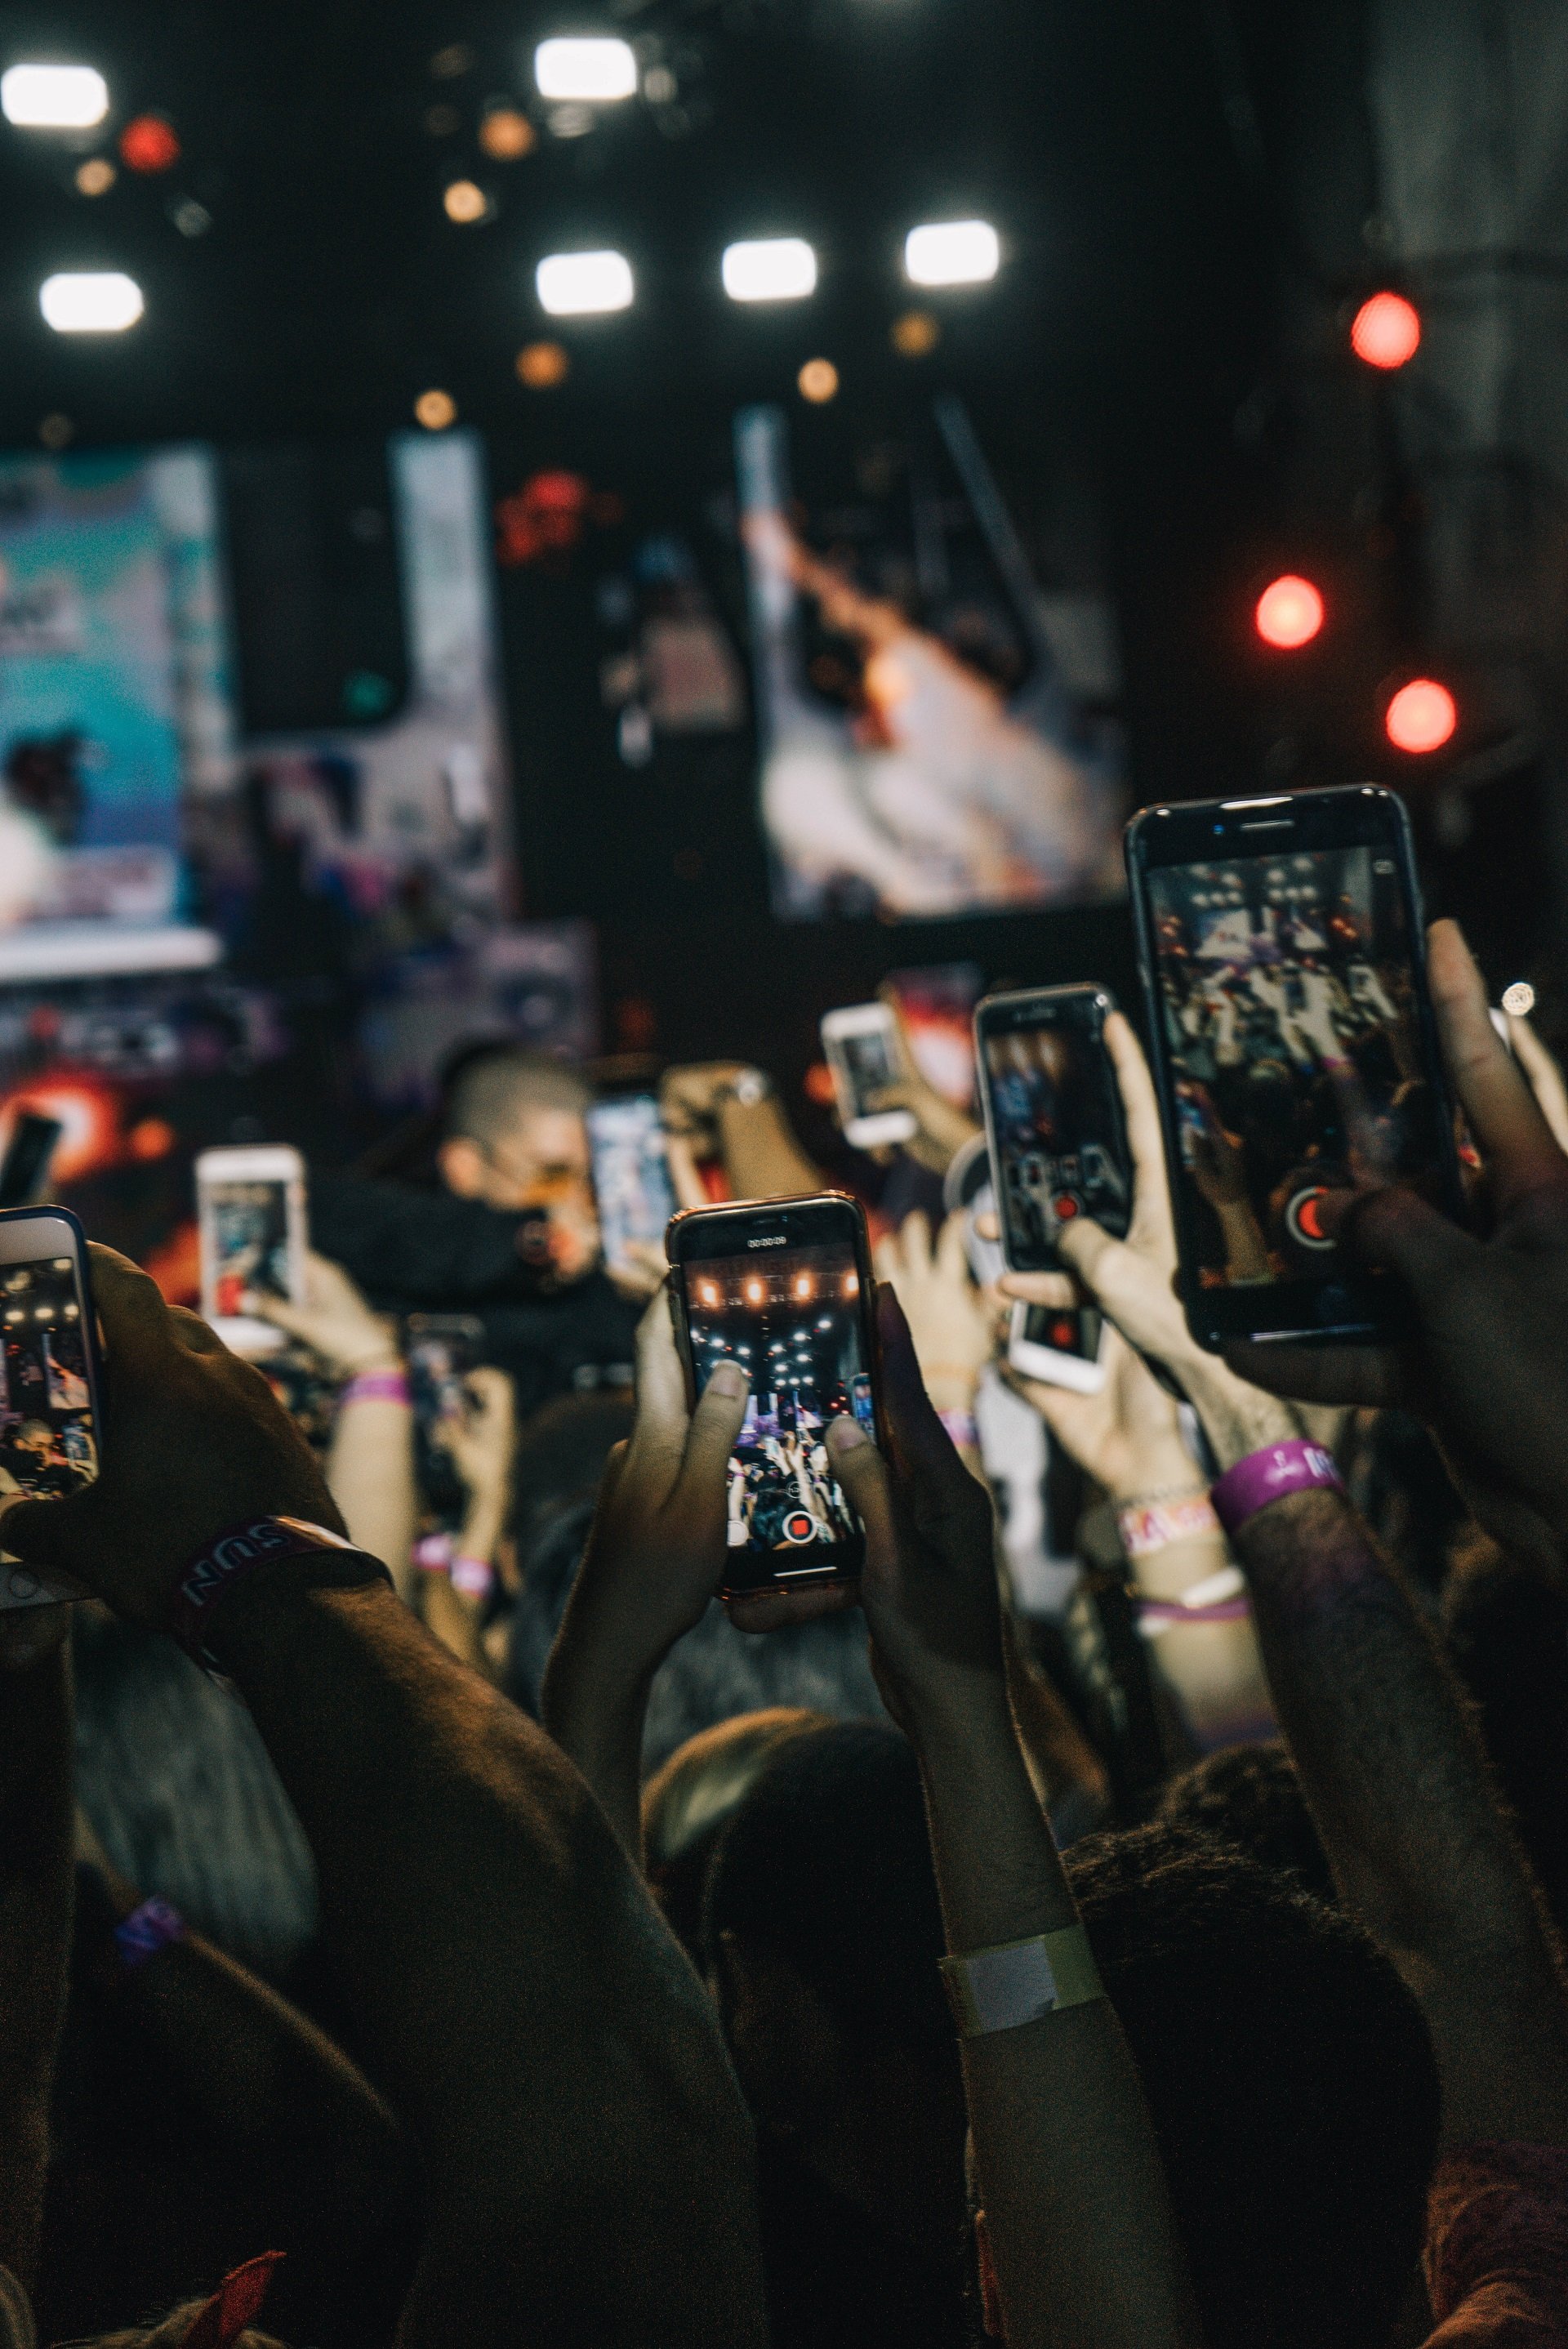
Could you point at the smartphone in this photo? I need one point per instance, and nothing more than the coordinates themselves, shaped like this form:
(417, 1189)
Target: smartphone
(861, 1046)
(1282, 954)
(785, 1287)
(1058, 1345)
(50, 1377)
(441, 1350)
(631, 1173)
(1053, 1118)
(250, 1207)
(24, 1169)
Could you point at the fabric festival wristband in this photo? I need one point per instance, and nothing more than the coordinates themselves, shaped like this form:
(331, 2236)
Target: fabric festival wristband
(1016, 1983)
(961, 1427)
(433, 1552)
(233, 1555)
(472, 1577)
(152, 1926)
(1157, 1524)
(375, 1386)
(1265, 1476)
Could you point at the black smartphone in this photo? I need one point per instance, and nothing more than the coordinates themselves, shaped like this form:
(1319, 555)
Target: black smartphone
(784, 1287)
(1053, 1118)
(1283, 953)
(24, 1169)
(441, 1350)
(50, 1377)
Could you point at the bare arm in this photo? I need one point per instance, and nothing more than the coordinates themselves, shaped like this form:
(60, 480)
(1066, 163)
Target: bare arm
(370, 1474)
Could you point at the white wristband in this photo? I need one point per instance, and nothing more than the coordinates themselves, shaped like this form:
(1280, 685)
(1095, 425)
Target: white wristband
(1015, 1983)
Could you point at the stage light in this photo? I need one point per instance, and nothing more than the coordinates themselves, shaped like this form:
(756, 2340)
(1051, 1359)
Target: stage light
(914, 335)
(541, 365)
(436, 410)
(1421, 716)
(818, 381)
(753, 1291)
(149, 144)
(90, 301)
(805, 1289)
(852, 1284)
(598, 72)
(951, 253)
(505, 134)
(1519, 999)
(1289, 613)
(96, 176)
(54, 97)
(465, 201)
(1386, 331)
(769, 269)
(577, 285)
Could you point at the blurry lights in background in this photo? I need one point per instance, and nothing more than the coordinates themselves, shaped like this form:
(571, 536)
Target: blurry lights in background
(1289, 613)
(769, 269)
(915, 334)
(54, 97)
(951, 253)
(541, 365)
(579, 284)
(818, 381)
(96, 176)
(465, 201)
(1421, 716)
(149, 144)
(436, 410)
(594, 72)
(1386, 331)
(90, 301)
(505, 134)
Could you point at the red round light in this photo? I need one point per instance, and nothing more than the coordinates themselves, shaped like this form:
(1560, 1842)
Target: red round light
(149, 144)
(1289, 613)
(1421, 716)
(1386, 331)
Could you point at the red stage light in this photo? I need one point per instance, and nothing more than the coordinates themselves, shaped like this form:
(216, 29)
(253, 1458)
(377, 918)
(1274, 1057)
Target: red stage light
(1386, 331)
(1421, 716)
(1289, 613)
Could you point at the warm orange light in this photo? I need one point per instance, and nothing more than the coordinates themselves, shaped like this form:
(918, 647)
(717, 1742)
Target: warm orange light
(852, 1284)
(1421, 716)
(541, 365)
(505, 134)
(149, 144)
(1289, 613)
(708, 1291)
(914, 335)
(805, 1287)
(818, 381)
(96, 176)
(754, 1292)
(1386, 331)
(464, 202)
(436, 409)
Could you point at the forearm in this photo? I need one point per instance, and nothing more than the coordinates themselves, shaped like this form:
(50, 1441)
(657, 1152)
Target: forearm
(36, 1876)
(595, 1707)
(1075, 2198)
(761, 1157)
(454, 1615)
(370, 1472)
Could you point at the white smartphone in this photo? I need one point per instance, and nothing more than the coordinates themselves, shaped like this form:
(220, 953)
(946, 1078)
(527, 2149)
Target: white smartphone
(250, 1207)
(1061, 1346)
(631, 1183)
(49, 1408)
(861, 1046)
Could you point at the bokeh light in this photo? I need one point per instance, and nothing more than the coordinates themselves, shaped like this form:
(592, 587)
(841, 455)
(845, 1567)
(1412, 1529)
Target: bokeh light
(436, 410)
(1421, 716)
(915, 334)
(149, 144)
(541, 365)
(818, 381)
(1289, 613)
(465, 201)
(1386, 331)
(96, 176)
(505, 133)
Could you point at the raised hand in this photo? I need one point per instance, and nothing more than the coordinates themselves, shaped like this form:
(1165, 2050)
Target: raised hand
(334, 1321)
(948, 1324)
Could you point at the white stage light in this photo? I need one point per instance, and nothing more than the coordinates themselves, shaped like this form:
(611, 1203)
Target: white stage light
(771, 269)
(90, 301)
(595, 73)
(54, 97)
(572, 284)
(951, 253)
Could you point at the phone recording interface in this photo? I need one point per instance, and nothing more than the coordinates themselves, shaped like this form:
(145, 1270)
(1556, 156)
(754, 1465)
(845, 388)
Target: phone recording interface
(630, 1174)
(1288, 997)
(46, 1443)
(249, 1223)
(1056, 1124)
(793, 1319)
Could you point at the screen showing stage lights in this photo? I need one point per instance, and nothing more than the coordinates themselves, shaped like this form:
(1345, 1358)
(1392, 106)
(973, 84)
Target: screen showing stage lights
(47, 1446)
(1288, 997)
(936, 730)
(795, 1323)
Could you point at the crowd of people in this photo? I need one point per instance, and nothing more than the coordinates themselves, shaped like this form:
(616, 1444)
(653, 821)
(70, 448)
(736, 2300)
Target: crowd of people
(428, 1914)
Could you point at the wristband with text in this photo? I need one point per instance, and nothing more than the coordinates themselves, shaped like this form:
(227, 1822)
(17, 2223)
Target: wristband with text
(152, 1926)
(1265, 1476)
(1015, 1983)
(233, 1555)
(1146, 1526)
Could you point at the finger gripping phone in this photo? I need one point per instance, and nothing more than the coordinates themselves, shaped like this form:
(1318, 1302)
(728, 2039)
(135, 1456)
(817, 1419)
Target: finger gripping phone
(50, 1378)
(632, 1181)
(1053, 1118)
(785, 1287)
(250, 1208)
(861, 1046)
(1283, 955)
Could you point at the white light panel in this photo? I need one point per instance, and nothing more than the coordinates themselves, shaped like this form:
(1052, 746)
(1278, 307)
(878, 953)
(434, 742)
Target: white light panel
(593, 72)
(573, 285)
(90, 301)
(770, 269)
(951, 253)
(54, 97)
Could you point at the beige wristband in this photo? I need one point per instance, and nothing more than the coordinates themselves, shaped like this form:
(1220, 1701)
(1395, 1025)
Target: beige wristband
(1016, 1983)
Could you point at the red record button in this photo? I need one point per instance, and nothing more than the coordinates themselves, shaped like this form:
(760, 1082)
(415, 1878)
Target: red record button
(1303, 1219)
(1065, 1207)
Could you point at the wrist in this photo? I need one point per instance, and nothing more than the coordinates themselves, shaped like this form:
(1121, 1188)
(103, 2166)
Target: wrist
(1164, 1472)
(1237, 1418)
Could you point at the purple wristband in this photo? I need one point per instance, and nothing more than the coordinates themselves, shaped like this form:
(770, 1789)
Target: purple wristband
(1268, 1475)
(146, 1930)
(375, 1386)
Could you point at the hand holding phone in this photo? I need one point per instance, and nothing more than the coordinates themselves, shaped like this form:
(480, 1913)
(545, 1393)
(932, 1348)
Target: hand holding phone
(862, 1048)
(1053, 1117)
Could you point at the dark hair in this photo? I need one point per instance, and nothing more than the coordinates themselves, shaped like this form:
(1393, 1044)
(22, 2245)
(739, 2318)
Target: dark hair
(1290, 2080)
(691, 1798)
(485, 1089)
(827, 1863)
(1507, 1632)
(1250, 1798)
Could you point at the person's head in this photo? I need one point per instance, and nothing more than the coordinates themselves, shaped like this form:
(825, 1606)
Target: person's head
(1250, 1798)
(512, 1129)
(689, 1801)
(35, 1436)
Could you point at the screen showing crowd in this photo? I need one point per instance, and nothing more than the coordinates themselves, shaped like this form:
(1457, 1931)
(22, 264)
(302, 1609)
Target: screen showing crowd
(794, 1325)
(1288, 998)
(250, 1228)
(47, 1445)
(1054, 1114)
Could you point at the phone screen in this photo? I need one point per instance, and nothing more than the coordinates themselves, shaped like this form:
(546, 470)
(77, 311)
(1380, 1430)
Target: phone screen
(48, 1444)
(1056, 1122)
(441, 1350)
(868, 1065)
(248, 1220)
(1060, 1331)
(1287, 990)
(631, 1173)
(794, 1317)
